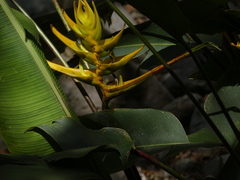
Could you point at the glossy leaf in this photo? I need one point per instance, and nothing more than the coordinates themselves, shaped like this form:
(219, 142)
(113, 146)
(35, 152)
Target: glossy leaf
(230, 97)
(165, 44)
(29, 94)
(202, 138)
(67, 154)
(70, 134)
(151, 130)
(24, 167)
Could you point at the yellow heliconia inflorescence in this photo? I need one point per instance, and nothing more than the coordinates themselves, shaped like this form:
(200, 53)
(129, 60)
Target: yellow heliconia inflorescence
(91, 48)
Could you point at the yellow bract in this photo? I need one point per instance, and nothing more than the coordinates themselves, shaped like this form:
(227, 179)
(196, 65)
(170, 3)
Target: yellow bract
(112, 64)
(79, 49)
(105, 46)
(91, 48)
(87, 20)
(88, 30)
(86, 76)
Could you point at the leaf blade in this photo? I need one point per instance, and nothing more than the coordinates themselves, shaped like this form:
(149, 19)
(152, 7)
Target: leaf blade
(29, 93)
(151, 130)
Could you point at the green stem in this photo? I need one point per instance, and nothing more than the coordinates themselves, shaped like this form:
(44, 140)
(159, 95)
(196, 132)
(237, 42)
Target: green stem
(160, 164)
(59, 10)
(181, 84)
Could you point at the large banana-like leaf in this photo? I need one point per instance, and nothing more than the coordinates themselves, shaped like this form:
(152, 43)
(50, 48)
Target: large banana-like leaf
(29, 94)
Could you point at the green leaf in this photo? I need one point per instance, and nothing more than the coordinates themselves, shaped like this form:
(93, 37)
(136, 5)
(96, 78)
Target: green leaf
(151, 130)
(165, 44)
(164, 13)
(202, 138)
(73, 153)
(70, 134)
(230, 98)
(29, 93)
(24, 167)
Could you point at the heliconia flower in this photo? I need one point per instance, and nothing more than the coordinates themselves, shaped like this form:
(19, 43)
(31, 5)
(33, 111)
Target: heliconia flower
(112, 64)
(86, 76)
(87, 24)
(105, 46)
(79, 49)
(102, 47)
(88, 20)
(88, 29)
